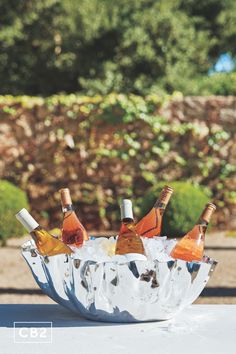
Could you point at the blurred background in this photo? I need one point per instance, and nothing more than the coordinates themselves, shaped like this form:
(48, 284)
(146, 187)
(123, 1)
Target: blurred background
(115, 99)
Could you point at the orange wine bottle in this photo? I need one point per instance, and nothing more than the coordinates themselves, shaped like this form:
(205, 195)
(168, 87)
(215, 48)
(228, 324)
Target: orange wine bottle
(150, 224)
(191, 246)
(129, 241)
(46, 244)
(73, 232)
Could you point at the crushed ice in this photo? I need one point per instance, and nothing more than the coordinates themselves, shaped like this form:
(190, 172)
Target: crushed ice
(102, 249)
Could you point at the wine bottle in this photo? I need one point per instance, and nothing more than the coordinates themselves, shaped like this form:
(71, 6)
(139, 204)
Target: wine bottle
(46, 244)
(191, 246)
(150, 224)
(73, 232)
(128, 239)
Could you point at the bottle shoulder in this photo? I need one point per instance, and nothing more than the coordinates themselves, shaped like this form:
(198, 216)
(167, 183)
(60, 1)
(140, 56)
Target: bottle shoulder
(72, 222)
(196, 232)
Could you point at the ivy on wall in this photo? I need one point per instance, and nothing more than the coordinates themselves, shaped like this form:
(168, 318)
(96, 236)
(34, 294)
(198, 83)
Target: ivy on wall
(108, 147)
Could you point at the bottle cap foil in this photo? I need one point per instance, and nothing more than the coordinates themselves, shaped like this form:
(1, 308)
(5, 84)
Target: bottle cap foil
(126, 209)
(166, 194)
(208, 211)
(24, 217)
(65, 196)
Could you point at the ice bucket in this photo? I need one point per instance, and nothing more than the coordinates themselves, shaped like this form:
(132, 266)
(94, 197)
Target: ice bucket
(131, 291)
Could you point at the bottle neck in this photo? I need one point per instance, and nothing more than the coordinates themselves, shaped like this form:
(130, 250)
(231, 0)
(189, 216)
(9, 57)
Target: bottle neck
(160, 205)
(201, 227)
(67, 208)
(206, 215)
(38, 228)
(202, 222)
(199, 230)
(164, 198)
(127, 226)
(37, 236)
(127, 221)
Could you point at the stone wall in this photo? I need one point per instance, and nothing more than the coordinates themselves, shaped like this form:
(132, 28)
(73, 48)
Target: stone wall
(217, 112)
(213, 109)
(108, 148)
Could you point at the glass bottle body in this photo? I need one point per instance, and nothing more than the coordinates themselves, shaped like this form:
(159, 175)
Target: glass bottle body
(150, 224)
(191, 246)
(129, 240)
(73, 232)
(48, 245)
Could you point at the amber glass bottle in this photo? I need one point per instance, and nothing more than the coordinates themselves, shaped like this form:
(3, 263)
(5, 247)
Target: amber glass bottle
(191, 246)
(73, 232)
(46, 244)
(150, 224)
(129, 241)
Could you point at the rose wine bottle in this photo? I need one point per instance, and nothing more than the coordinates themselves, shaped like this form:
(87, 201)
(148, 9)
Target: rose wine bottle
(129, 241)
(150, 224)
(46, 244)
(73, 232)
(191, 246)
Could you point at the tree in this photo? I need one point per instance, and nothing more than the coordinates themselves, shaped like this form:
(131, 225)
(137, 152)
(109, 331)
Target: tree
(99, 46)
(28, 46)
(136, 46)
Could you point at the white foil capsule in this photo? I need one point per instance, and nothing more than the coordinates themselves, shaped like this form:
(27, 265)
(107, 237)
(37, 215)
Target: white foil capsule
(26, 220)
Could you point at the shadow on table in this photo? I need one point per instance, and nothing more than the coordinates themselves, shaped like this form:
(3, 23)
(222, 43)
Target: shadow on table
(61, 317)
(218, 292)
(207, 292)
(16, 291)
(221, 248)
(56, 314)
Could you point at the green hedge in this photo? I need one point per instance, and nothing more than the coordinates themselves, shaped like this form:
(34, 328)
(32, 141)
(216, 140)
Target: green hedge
(223, 84)
(12, 199)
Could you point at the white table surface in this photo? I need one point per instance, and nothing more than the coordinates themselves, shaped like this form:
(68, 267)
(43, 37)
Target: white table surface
(198, 329)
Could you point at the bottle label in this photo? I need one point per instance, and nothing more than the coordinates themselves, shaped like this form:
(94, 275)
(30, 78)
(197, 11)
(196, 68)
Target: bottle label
(66, 208)
(160, 205)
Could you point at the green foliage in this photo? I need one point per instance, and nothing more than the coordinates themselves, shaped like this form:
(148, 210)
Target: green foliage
(12, 199)
(106, 147)
(183, 210)
(217, 84)
(102, 46)
(152, 45)
(28, 45)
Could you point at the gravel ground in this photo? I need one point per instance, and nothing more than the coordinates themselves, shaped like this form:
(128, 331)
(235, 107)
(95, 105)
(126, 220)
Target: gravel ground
(17, 285)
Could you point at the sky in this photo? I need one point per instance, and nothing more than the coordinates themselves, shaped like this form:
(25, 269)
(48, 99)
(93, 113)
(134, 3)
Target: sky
(225, 63)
